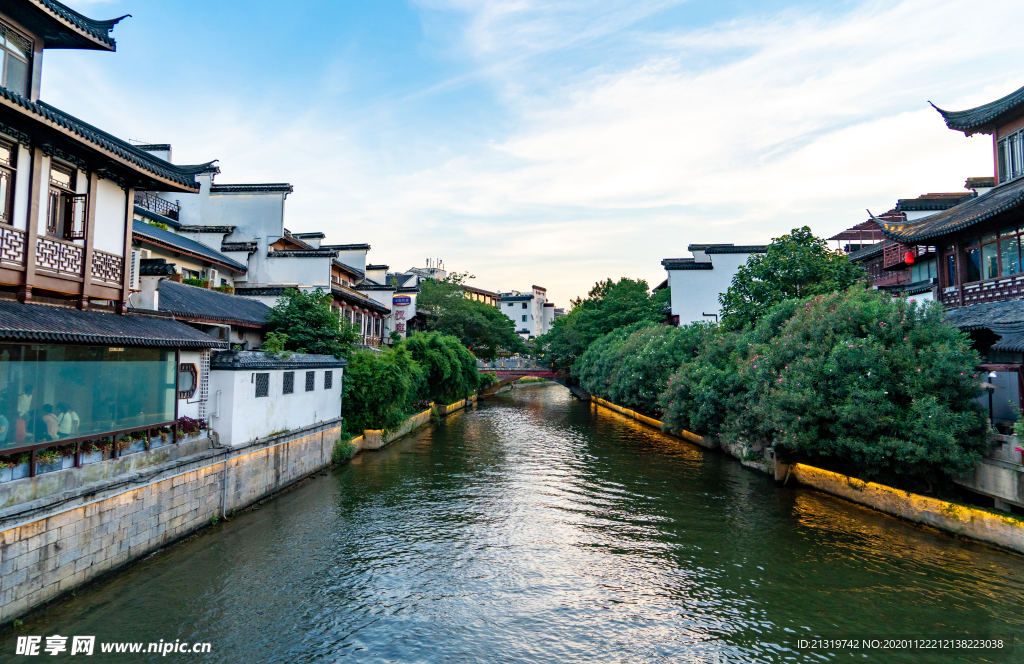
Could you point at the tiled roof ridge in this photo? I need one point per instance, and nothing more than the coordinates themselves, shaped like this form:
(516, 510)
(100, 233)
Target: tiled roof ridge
(182, 175)
(253, 359)
(97, 28)
(972, 120)
(269, 187)
(185, 245)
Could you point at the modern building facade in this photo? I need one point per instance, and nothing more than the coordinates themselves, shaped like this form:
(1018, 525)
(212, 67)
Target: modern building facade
(531, 312)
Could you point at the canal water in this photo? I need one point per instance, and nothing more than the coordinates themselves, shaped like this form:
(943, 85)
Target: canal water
(535, 528)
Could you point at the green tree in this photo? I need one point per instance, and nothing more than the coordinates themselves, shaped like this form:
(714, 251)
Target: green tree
(608, 306)
(448, 368)
(631, 366)
(795, 266)
(378, 389)
(310, 325)
(479, 326)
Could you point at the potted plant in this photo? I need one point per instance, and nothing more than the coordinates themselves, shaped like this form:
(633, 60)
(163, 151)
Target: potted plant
(190, 429)
(130, 443)
(67, 456)
(91, 453)
(47, 461)
(6, 469)
(20, 468)
(106, 447)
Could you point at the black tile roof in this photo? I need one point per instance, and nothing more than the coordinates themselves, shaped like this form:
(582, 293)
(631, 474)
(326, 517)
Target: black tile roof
(146, 233)
(996, 316)
(376, 267)
(933, 202)
(991, 204)
(914, 288)
(200, 228)
(75, 30)
(685, 264)
(979, 118)
(346, 266)
(1011, 342)
(375, 287)
(274, 188)
(248, 360)
(193, 303)
(360, 300)
(239, 246)
(172, 223)
(180, 176)
(39, 322)
(867, 253)
(301, 253)
(155, 267)
(408, 289)
(347, 247)
(730, 248)
(515, 298)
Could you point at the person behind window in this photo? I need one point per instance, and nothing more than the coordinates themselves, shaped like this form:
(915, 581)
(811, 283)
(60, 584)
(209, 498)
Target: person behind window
(67, 421)
(25, 401)
(50, 422)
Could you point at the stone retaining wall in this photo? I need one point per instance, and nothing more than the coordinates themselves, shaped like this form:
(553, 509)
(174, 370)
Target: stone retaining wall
(53, 544)
(1003, 531)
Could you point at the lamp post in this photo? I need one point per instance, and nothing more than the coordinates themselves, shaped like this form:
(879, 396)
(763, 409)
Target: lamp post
(991, 389)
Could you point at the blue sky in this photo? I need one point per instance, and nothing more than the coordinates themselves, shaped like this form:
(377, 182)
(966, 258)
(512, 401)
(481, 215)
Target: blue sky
(555, 143)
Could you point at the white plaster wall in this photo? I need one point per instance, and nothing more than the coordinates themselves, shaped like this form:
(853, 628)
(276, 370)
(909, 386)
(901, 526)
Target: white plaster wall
(190, 407)
(516, 312)
(695, 292)
(312, 272)
(921, 298)
(111, 204)
(356, 259)
(241, 417)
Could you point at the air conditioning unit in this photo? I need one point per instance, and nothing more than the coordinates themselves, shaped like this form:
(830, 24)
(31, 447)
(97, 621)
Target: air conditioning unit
(213, 277)
(134, 271)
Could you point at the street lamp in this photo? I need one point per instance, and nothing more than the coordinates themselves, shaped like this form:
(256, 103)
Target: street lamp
(990, 386)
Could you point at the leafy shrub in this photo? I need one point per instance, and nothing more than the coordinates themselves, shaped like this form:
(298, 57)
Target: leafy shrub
(343, 450)
(631, 366)
(378, 389)
(448, 368)
(310, 325)
(487, 379)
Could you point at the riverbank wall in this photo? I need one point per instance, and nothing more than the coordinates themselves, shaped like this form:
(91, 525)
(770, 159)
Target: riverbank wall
(63, 539)
(1005, 532)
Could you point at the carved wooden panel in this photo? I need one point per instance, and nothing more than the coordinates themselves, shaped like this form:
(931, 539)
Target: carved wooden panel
(107, 267)
(56, 256)
(12, 246)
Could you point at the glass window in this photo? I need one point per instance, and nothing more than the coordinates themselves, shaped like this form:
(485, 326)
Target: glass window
(1012, 230)
(1001, 159)
(988, 237)
(973, 266)
(1009, 251)
(15, 50)
(95, 390)
(950, 267)
(989, 261)
(7, 152)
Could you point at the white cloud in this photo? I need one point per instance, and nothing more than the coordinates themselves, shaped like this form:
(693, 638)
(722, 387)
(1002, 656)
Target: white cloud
(734, 133)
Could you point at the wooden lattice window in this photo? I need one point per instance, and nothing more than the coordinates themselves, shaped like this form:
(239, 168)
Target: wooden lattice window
(289, 382)
(328, 380)
(188, 380)
(310, 381)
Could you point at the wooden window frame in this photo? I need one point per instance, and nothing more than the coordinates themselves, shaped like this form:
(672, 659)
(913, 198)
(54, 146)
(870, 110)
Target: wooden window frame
(7, 53)
(9, 169)
(189, 368)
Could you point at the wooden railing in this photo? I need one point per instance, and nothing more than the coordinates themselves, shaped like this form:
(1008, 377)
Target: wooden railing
(107, 267)
(894, 254)
(60, 256)
(12, 246)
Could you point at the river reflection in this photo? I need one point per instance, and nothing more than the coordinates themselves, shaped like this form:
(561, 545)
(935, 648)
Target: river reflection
(535, 528)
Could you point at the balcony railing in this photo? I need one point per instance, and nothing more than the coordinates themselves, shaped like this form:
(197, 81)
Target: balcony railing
(12, 246)
(156, 205)
(894, 254)
(107, 267)
(60, 256)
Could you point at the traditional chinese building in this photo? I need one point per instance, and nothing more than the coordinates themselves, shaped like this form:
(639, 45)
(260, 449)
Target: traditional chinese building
(975, 245)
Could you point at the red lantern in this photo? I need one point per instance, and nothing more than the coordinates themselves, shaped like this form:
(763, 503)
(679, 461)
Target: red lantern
(908, 258)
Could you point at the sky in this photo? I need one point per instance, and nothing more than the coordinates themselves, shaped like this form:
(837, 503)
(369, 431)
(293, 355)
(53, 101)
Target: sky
(555, 142)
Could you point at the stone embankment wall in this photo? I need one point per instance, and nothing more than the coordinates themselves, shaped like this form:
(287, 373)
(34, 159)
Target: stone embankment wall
(60, 540)
(1003, 531)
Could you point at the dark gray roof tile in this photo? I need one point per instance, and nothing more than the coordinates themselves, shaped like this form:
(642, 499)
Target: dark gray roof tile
(201, 303)
(147, 233)
(248, 360)
(1002, 199)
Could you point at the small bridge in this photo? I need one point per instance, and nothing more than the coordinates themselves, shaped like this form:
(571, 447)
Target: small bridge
(511, 375)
